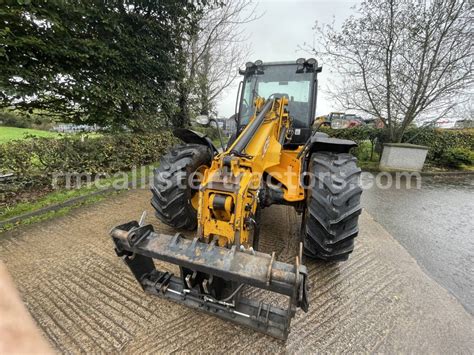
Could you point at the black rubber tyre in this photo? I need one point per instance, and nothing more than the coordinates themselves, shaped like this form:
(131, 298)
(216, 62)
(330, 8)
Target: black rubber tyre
(330, 222)
(171, 191)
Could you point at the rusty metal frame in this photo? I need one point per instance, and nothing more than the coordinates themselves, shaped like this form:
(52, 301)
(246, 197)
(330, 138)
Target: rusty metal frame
(139, 245)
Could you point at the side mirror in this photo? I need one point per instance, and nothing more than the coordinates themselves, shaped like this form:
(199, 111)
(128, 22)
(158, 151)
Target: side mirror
(203, 120)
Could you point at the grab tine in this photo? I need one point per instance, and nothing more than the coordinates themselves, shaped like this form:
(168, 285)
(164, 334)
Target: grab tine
(142, 219)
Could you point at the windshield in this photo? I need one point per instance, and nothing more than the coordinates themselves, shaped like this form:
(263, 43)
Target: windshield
(278, 79)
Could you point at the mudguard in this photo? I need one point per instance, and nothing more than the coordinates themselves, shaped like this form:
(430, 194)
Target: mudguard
(322, 142)
(190, 136)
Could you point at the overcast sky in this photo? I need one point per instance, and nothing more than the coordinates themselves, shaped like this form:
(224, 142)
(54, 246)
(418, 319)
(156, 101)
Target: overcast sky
(275, 36)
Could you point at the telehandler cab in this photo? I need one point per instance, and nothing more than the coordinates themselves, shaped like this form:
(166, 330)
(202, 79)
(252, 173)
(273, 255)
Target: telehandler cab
(274, 158)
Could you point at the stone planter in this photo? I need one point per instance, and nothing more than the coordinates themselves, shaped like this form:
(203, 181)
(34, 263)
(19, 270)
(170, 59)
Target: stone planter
(403, 157)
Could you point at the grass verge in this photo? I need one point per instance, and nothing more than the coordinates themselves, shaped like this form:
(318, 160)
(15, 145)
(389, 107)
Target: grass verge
(369, 161)
(61, 212)
(119, 182)
(13, 133)
(368, 165)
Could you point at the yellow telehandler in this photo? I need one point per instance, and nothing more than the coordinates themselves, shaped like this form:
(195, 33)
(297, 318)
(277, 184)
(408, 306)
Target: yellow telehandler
(274, 158)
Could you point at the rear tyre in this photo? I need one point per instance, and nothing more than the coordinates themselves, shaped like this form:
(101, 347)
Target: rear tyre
(174, 199)
(330, 221)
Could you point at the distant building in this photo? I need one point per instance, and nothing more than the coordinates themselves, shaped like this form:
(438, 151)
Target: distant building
(445, 123)
(73, 128)
(464, 124)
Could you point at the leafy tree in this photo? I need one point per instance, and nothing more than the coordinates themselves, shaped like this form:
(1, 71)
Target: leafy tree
(400, 60)
(113, 63)
(214, 53)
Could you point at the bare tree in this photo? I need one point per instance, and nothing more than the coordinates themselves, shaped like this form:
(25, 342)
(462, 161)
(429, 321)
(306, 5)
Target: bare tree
(213, 56)
(399, 59)
(464, 109)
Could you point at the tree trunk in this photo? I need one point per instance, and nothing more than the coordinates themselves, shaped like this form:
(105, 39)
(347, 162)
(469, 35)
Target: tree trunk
(204, 84)
(182, 117)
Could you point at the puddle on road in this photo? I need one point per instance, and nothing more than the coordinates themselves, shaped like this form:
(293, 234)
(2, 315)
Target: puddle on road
(435, 224)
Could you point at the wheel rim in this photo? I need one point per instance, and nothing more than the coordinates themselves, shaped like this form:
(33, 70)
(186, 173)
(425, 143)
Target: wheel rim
(196, 179)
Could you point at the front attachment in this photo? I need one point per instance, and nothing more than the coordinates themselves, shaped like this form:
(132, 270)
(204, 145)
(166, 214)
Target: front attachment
(212, 278)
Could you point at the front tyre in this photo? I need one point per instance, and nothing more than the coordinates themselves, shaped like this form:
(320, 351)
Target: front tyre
(175, 199)
(330, 221)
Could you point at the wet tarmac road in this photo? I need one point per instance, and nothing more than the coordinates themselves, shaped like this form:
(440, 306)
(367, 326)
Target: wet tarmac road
(85, 300)
(435, 224)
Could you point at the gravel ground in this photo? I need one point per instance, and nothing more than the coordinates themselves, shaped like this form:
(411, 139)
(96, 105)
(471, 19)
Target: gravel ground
(85, 300)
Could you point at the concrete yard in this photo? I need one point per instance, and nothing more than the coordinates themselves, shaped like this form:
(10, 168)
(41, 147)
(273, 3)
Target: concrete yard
(85, 300)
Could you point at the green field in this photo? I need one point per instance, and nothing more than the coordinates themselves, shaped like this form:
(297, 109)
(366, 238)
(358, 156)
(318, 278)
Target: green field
(11, 133)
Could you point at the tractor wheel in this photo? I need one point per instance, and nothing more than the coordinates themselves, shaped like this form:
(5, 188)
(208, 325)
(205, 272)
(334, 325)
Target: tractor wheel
(330, 221)
(174, 198)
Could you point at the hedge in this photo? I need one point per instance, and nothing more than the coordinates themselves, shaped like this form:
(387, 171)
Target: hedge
(14, 119)
(441, 142)
(35, 161)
